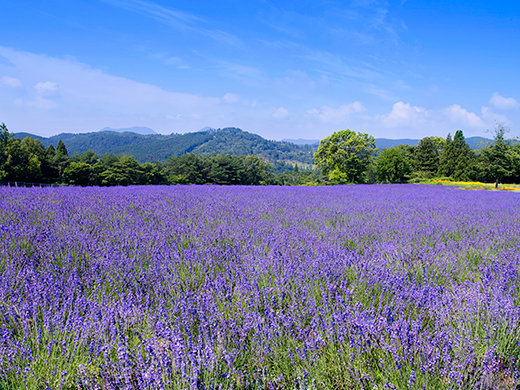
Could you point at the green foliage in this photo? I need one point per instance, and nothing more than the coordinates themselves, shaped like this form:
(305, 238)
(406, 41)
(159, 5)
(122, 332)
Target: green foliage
(393, 165)
(456, 159)
(78, 174)
(87, 157)
(4, 142)
(189, 166)
(345, 156)
(299, 177)
(427, 156)
(216, 169)
(126, 171)
(23, 159)
(499, 159)
(150, 148)
(61, 158)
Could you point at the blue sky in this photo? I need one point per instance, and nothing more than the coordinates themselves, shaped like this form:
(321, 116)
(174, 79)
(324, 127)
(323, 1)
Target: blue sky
(281, 69)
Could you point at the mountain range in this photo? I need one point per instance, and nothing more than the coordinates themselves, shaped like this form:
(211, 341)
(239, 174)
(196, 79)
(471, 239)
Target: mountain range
(385, 143)
(157, 147)
(147, 146)
(136, 129)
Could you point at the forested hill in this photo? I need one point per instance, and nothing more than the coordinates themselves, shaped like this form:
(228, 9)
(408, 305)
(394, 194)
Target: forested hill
(149, 148)
(230, 140)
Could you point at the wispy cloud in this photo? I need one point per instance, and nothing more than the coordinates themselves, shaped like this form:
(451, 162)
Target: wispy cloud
(46, 88)
(89, 96)
(248, 75)
(230, 98)
(177, 19)
(38, 102)
(337, 115)
(10, 82)
(281, 113)
(166, 15)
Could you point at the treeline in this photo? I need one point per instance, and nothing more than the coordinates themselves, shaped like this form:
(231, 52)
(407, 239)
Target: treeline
(344, 157)
(157, 147)
(27, 160)
(449, 158)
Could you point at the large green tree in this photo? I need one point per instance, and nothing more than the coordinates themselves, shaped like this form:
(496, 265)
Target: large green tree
(427, 155)
(126, 171)
(499, 159)
(4, 142)
(78, 174)
(392, 165)
(345, 155)
(23, 159)
(457, 158)
(61, 157)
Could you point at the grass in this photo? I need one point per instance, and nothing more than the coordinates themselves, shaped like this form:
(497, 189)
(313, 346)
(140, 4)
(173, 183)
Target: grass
(472, 185)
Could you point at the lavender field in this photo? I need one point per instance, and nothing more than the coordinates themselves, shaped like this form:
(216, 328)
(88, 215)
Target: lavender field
(206, 287)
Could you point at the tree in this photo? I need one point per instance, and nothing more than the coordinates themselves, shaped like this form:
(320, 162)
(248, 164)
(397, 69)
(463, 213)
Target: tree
(78, 174)
(49, 170)
(345, 155)
(61, 157)
(4, 142)
(189, 166)
(499, 158)
(427, 156)
(24, 159)
(456, 157)
(88, 157)
(253, 170)
(392, 165)
(126, 171)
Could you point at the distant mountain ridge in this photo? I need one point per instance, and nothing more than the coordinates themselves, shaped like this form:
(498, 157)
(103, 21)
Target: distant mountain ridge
(157, 147)
(385, 143)
(135, 129)
(301, 141)
(230, 140)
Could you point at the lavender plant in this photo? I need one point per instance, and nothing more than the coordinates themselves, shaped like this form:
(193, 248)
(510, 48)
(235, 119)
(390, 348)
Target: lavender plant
(207, 287)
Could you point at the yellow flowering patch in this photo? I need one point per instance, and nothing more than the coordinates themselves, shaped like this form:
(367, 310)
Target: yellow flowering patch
(476, 185)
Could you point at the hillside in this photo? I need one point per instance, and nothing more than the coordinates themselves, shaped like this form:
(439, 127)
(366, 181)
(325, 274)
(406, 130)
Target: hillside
(136, 129)
(159, 147)
(230, 140)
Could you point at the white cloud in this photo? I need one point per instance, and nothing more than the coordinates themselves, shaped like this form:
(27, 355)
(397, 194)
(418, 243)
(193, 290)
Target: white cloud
(91, 98)
(405, 114)
(46, 88)
(489, 115)
(10, 82)
(38, 102)
(460, 115)
(42, 103)
(281, 113)
(332, 115)
(230, 98)
(426, 122)
(503, 103)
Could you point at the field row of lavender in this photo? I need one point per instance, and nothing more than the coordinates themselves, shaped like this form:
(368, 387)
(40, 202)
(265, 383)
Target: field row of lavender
(205, 287)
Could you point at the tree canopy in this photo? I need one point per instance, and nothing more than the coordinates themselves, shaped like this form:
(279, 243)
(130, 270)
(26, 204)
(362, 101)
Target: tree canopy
(456, 158)
(345, 155)
(392, 165)
(499, 159)
(427, 156)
